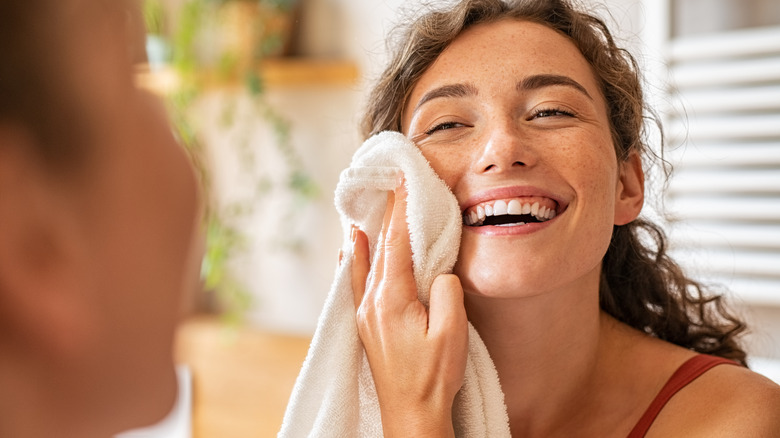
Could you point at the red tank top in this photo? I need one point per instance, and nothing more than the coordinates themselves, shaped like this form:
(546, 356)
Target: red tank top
(687, 373)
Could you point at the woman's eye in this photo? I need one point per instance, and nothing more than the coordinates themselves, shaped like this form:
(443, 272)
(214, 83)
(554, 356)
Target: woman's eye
(550, 112)
(444, 126)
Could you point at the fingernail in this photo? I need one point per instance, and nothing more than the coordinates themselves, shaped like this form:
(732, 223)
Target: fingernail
(400, 180)
(341, 256)
(353, 233)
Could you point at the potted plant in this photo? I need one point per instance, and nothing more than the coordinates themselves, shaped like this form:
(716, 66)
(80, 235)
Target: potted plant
(223, 41)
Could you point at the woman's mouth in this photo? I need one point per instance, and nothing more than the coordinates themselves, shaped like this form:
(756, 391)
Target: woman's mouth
(510, 212)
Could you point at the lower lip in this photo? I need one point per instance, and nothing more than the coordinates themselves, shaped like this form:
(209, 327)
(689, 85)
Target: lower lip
(493, 230)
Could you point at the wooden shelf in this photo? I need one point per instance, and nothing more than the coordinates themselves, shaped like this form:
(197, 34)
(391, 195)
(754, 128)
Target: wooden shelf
(278, 72)
(162, 81)
(303, 71)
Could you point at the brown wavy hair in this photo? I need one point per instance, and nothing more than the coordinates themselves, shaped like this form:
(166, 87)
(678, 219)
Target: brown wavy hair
(640, 284)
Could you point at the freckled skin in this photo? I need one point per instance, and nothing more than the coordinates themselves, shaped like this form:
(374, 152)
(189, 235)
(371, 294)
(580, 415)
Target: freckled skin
(501, 143)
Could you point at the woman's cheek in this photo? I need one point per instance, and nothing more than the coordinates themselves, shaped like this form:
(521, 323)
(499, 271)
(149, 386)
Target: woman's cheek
(444, 164)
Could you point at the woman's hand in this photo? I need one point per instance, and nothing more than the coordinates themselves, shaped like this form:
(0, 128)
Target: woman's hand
(417, 356)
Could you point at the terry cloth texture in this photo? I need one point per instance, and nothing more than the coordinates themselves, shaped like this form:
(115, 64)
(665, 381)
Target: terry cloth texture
(334, 395)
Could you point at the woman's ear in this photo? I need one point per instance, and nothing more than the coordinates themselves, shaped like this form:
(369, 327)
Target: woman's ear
(43, 268)
(630, 193)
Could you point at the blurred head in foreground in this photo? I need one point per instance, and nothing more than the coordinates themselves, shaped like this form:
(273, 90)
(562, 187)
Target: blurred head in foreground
(98, 209)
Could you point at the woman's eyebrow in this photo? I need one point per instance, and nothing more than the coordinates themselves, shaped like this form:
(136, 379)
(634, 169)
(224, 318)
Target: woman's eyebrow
(548, 80)
(529, 83)
(451, 90)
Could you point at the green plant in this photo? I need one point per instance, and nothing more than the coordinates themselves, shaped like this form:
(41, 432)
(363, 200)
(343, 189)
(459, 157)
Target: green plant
(224, 239)
(154, 17)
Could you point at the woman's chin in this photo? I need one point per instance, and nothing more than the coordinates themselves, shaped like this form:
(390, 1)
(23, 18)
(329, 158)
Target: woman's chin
(497, 280)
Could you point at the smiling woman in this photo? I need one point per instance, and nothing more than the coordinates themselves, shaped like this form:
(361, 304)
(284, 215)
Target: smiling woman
(535, 119)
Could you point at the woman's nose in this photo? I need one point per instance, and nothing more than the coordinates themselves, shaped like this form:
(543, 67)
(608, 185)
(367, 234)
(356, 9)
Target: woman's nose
(505, 148)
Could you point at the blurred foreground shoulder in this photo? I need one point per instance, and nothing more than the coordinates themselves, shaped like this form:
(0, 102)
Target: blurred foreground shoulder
(726, 401)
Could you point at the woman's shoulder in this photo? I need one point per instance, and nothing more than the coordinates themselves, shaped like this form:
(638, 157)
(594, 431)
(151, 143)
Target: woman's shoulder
(724, 401)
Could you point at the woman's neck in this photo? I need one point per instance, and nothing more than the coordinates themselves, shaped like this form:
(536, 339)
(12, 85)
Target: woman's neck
(547, 350)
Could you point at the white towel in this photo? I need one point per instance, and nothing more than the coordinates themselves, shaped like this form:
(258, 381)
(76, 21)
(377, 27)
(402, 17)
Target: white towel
(334, 395)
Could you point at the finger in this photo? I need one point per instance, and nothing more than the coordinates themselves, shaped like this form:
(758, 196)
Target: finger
(398, 247)
(361, 264)
(447, 314)
(377, 275)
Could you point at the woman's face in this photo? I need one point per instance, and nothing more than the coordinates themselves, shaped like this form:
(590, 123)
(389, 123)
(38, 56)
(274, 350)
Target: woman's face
(513, 120)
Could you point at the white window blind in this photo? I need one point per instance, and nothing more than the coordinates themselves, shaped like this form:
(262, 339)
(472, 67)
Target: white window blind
(725, 193)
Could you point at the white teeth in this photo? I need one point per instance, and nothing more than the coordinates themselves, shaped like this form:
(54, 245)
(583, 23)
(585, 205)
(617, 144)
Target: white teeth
(476, 216)
(514, 207)
(499, 208)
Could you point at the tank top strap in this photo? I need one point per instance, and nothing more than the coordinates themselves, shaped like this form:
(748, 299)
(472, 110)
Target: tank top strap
(685, 374)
